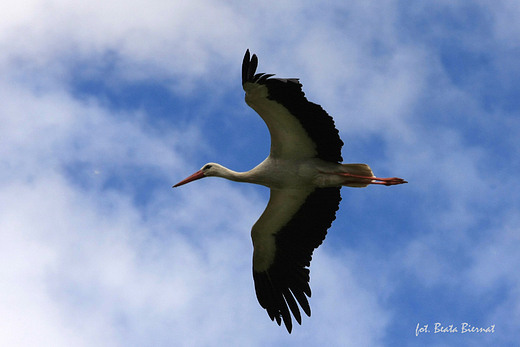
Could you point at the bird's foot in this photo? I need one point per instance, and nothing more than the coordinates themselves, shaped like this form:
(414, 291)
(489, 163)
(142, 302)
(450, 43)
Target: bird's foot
(388, 181)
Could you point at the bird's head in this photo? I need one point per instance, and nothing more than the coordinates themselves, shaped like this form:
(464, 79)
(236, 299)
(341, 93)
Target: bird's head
(210, 169)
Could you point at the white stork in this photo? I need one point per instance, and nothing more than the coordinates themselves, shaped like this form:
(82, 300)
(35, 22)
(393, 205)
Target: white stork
(305, 175)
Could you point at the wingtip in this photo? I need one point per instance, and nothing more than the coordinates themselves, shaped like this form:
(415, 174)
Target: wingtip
(287, 323)
(249, 65)
(245, 66)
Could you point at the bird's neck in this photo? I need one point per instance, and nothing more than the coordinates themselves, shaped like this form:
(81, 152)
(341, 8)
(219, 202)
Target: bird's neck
(236, 176)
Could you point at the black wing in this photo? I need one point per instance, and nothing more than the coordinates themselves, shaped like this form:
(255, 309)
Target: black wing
(274, 99)
(283, 247)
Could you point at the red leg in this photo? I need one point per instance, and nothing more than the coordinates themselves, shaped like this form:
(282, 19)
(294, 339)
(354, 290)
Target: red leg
(387, 181)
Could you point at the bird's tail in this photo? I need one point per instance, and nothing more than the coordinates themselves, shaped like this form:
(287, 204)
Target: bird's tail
(358, 170)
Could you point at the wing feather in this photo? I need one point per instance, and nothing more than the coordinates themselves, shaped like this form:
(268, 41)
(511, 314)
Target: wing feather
(298, 127)
(293, 224)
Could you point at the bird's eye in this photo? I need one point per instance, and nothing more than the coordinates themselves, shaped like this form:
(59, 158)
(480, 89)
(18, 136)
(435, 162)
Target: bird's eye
(207, 167)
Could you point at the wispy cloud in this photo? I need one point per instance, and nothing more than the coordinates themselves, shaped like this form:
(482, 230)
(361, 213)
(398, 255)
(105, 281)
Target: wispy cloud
(104, 106)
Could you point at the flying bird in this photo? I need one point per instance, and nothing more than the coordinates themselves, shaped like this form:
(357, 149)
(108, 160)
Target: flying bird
(305, 175)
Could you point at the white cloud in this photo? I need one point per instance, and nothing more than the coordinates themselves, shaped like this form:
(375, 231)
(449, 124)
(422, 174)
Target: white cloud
(344, 301)
(85, 264)
(142, 41)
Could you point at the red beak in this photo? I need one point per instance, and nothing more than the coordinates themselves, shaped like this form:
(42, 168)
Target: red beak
(197, 175)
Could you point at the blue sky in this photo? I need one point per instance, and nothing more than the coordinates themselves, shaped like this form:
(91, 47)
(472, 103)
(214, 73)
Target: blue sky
(105, 105)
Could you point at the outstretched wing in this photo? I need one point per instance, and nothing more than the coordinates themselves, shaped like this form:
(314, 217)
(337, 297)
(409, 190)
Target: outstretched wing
(293, 224)
(298, 127)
